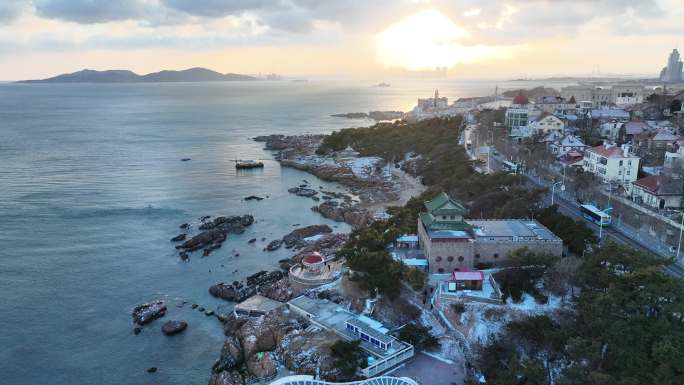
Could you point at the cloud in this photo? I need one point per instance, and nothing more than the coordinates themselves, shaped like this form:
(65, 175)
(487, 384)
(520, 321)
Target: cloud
(91, 11)
(10, 9)
(220, 8)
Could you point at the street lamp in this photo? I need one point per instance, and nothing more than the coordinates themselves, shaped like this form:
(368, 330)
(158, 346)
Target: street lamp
(681, 228)
(553, 188)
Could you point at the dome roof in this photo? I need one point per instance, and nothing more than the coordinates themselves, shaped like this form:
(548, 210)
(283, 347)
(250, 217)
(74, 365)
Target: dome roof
(521, 99)
(312, 258)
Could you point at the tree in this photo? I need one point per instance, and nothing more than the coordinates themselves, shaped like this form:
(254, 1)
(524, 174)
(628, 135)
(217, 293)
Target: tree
(348, 357)
(575, 234)
(417, 278)
(418, 336)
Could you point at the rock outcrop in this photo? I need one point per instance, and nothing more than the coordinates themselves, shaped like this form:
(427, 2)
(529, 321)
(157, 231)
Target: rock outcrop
(266, 283)
(274, 245)
(226, 378)
(296, 237)
(231, 355)
(353, 215)
(302, 191)
(173, 327)
(148, 312)
(309, 353)
(215, 232)
(262, 364)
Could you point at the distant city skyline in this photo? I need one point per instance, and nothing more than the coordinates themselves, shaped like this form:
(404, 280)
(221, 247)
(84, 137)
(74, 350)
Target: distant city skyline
(365, 39)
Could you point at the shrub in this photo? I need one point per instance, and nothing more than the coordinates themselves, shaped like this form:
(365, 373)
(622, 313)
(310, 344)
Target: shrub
(418, 336)
(348, 357)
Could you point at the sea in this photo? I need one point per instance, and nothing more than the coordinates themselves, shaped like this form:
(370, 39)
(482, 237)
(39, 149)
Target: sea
(92, 187)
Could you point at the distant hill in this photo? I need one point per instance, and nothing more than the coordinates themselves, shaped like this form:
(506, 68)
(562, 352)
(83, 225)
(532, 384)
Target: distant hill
(124, 76)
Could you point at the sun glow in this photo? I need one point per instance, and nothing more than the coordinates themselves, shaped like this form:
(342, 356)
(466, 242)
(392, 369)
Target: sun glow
(427, 40)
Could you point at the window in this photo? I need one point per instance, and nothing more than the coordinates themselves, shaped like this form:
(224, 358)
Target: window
(460, 259)
(440, 270)
(453, 217)
(620, 164)
(450, 259)
(477, 256)
(496, 255)
(438, 259)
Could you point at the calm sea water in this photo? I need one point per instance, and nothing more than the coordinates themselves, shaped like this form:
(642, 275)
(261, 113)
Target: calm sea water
(91, 190)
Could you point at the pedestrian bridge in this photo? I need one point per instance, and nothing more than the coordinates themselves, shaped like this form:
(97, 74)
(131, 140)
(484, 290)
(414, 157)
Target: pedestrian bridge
(309, 380)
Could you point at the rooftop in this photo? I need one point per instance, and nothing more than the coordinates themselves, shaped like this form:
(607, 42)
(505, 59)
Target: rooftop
(609, 151)
(444, 202)
(335, 317)
(509, 228)
(657, 184)
(467, 276)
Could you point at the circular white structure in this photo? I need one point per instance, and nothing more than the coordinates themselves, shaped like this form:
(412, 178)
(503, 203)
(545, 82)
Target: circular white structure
(313, 262)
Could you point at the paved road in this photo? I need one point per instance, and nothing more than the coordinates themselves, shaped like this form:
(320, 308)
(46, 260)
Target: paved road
(571, 209)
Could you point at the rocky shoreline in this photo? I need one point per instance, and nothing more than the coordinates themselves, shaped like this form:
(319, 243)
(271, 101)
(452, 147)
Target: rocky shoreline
(375, 183)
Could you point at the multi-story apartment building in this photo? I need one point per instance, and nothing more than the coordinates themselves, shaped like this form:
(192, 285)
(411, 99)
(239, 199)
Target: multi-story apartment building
(612, 164)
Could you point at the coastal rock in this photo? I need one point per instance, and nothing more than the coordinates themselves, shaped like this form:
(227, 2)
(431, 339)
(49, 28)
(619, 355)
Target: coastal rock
(231, 355)
(252, 240)
(264, 277)
(253, 198)
(265, 332)
(278, 291)
(274, 245)
(352, 215)
(185, 159)
(148, 312)
(173, 327)
(302, 191)
(232, 323)
(226, 378)
(309, 353)
(262, 364)
(296, 237)
(215, 233)
(184, 226)
(273, 142)
(152, 369)
(231, 292)
(178, 238)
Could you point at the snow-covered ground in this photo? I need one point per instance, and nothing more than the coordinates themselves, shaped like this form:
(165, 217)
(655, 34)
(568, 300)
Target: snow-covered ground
(480, 321)
(363, 167)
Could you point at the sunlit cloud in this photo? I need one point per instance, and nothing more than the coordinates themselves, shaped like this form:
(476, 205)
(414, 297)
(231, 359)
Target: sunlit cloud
(429, 39)
(472, 12)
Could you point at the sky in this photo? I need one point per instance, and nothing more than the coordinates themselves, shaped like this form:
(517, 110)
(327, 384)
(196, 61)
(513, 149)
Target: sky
(349, 38)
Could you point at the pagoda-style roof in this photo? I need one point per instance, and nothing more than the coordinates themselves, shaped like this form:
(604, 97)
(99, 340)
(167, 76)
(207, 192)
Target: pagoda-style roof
(446, 205)
(431, 223)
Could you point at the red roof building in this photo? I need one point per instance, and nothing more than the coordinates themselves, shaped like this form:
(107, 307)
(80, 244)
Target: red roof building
(521, 100)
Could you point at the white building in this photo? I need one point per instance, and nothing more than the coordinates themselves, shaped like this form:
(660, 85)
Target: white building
(546, 123)
(567, 144)
(658, 192)
(612, 164)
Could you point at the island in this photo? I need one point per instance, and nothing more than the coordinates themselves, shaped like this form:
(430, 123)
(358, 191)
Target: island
(196, 74)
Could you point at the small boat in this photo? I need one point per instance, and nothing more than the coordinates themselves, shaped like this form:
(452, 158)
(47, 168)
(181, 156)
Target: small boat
(241, 164)
(383, 84)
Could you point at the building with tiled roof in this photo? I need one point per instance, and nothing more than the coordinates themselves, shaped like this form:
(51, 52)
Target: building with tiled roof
(612, 164)
(658, 192)
(451, 243)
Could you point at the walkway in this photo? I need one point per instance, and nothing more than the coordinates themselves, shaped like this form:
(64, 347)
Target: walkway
(309, 380)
